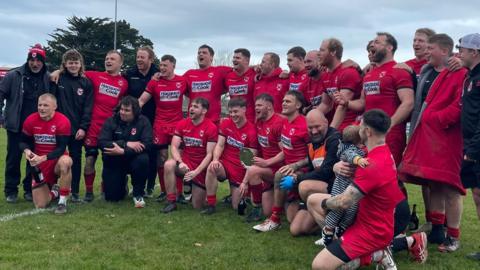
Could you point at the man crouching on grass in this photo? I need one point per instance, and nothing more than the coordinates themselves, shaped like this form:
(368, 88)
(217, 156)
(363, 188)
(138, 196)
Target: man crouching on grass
(376, 190)
(47, 133)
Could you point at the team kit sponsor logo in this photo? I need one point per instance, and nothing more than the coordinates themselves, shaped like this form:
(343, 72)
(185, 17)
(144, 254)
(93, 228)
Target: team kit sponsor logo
(238, 89)
(170, 95)
(201, 86)
(79, 91)
(294, 86)
(371, 88)
(315, 101)
(331, 90)
(109, 90)
(44, 139)
(286, 142)
(192, 142)
(235, 143)
(263, 141)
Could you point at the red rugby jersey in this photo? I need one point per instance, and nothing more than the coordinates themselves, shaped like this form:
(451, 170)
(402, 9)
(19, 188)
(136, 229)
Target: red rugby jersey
(236, 139)
(243, 86)
(294, 138)
(195, 138)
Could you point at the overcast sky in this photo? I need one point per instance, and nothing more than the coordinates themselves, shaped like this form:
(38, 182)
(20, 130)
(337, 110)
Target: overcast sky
(179, 27)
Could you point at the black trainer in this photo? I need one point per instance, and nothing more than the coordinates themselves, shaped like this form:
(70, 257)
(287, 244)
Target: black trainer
(255, 215)
(75, 198)
(181, 199)
(170, 207)
(210, 209)
(61, 209)
(28, 197)
(162, 197)
(227, 199)
(89, 197)
(12, 198)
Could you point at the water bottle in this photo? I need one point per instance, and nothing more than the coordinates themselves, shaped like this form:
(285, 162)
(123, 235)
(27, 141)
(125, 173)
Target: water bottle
(242, 205)
(413, 224)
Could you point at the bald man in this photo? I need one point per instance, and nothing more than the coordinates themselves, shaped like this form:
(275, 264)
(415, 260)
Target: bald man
(313, 89)
(322, 155)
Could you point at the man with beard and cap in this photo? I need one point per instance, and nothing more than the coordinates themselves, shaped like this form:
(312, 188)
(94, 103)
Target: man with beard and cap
(298, 74)
(207, 81)
(313, 89)
(338, 80)
(198, 135)
(241, 81)
(269, 82)
(21, 88)
(137, 77)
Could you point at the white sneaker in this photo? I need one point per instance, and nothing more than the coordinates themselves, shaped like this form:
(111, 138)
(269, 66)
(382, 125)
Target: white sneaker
(266, 226)
(138, 202)
(387, 262)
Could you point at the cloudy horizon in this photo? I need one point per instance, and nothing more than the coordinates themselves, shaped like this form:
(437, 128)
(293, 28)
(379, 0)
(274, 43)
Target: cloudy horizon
(178, 28)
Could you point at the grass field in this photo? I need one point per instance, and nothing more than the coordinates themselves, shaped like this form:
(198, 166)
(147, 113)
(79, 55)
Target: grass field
(104, 235)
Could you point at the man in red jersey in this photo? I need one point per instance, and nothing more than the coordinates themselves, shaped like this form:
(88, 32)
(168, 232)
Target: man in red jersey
(338, 80)
(389, 89)
(45, 136)
(241, 81)
(108, 88)
(313, 89)
(269, 81)
(298, 74)
(294, 139)
(235, 134)
(207, 81)
(366, 240)
(167, 93)
(438, 132)
(259, 177)
(198, 136)
(420, 49)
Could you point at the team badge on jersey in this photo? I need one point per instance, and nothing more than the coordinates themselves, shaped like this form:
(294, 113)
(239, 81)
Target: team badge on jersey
(304, 76)
(469, 88)
(382, 74)
(279, 86)
(178, 84)
(79, 91)
(244, 136)
(201, 133)
(53, 128)
(210, 75)
(245, 79)
(267, 130)
(120, 83)
(292, 131)
(134, 131)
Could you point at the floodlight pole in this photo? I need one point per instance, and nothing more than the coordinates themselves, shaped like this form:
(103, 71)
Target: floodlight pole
(115, 31)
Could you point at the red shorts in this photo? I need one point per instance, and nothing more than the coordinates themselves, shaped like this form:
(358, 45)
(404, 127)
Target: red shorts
(48, 170)
(91, 138)
(356, 245)
(162, 135)
(396, 142)
(235, 173)
(199, 180)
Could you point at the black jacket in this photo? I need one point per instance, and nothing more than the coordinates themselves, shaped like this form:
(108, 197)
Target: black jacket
(11, 90)
(120, 132)
(74, 100)
(325, 171)
(137, 83)
(471, 114)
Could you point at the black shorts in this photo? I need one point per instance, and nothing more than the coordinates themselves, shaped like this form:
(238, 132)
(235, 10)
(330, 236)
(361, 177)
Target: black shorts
(336, 249)
(470, 174)
(91, 151)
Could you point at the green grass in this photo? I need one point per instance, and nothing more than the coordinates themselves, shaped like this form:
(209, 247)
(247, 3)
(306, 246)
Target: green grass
(104, 235)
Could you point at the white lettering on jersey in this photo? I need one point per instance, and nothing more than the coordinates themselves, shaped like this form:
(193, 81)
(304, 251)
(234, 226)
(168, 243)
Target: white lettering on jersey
(371, 88)
(192, 142)
(286, 142)
(315, 101)
(263, 141)
(202, 86)
(109, 90)
(44, 139)
(238, 89)
(294, 86)
(170, 95)
(331, 90)
(231, 141)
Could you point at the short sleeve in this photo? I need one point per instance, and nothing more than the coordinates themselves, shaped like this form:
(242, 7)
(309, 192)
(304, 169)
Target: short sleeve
(212, 134)
(252, 139)
(64, 128)
(222, 130)
(151, 87)
(364, 180)
(27, 126)
(402, 79)
(179, 128)
(350, 79)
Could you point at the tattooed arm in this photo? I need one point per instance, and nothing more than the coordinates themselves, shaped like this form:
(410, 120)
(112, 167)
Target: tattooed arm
(343, 201)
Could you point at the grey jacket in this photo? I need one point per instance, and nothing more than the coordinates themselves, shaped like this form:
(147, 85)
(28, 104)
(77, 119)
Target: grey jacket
(11, 90)
(419, 105)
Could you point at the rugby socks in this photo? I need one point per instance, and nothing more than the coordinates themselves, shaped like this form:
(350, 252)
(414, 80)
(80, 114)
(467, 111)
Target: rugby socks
(161, 179)
(256, 194)
(437, 235)
(276, 214)
(453, 232)
(212, 200)
(171, 197)
(89, 179)
(53, 194)
(64, 193)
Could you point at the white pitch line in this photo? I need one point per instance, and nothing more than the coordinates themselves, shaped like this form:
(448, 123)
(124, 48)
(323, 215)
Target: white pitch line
(9, 217)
